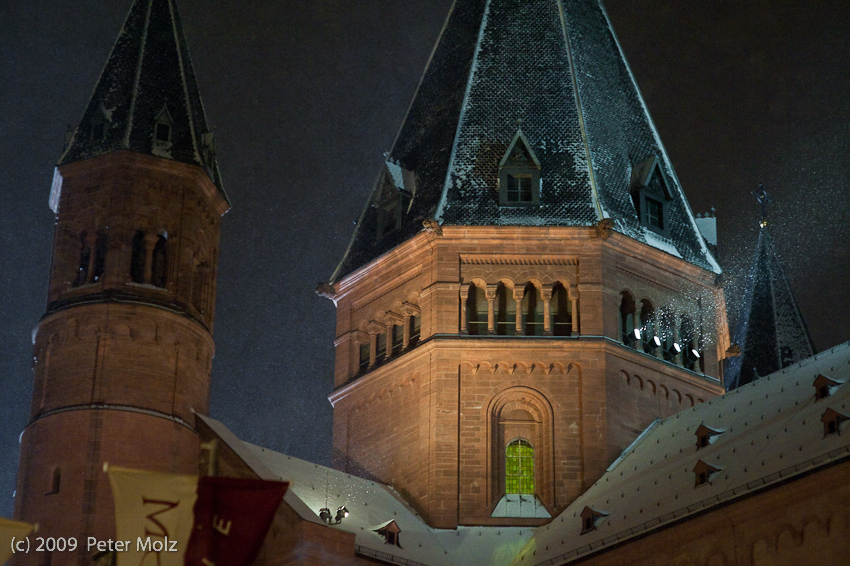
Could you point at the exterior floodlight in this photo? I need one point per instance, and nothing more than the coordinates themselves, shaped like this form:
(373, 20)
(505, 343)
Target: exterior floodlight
(677, 348)
(656, 341)
(325, 515)
(637, 333)
(695, 355)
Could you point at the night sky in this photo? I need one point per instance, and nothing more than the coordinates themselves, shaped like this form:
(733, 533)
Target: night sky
(306, 96)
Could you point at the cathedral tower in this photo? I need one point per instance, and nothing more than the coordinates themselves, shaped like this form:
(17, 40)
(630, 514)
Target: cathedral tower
(526, 288)
(123, 353)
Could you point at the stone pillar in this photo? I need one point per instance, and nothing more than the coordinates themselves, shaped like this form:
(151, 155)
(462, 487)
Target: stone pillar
(573, 310)
(546, 297)
(405, 337)
(518, 295)
(464, 296)
(373, 347)
(490, 294)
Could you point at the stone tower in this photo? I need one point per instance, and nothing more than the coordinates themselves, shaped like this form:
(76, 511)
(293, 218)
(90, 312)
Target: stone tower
(526, 288)
(122, 355)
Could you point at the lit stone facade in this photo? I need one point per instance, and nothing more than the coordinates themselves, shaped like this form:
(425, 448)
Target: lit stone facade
(120, 365)
(433, 419)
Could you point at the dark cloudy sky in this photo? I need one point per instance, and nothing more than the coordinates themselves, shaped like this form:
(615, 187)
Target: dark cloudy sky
(306, 96)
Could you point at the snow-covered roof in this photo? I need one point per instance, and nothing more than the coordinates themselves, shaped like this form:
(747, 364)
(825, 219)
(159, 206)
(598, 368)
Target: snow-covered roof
(766, 432)
(372, 505)
(148, 78)
(555, 70)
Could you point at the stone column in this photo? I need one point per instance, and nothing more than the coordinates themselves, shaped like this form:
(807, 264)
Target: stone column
(518, 295)
(464, 296)
(573, 295)
(546, 297)
(490, 294)
(373, 347)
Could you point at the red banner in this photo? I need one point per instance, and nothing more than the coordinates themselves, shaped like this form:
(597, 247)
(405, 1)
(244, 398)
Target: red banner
(232, 517)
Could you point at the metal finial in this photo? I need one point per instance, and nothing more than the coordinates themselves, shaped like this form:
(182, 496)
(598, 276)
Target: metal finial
(763, 198)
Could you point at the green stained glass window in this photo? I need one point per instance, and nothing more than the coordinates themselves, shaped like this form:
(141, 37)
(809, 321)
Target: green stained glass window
(519, 467)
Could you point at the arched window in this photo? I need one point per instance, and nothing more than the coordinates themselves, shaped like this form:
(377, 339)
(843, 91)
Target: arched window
(519, 467)
(627, 318)
(99, 256)
(648, 331)
(159, 262)
(533, 309)
(560, 311)
(55, 481)
(476, 310)
(85, 255)
(505, 312)
(137, 258)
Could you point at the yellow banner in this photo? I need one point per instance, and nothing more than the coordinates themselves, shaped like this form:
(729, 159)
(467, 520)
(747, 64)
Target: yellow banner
(153, 516)
(11, 531)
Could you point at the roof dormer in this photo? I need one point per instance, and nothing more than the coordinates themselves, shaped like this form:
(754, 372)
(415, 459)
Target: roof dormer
(824, 386)
(519, 174)
(706, 436)
(651, 195)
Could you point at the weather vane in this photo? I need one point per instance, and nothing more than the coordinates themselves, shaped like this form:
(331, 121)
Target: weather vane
(763, 198)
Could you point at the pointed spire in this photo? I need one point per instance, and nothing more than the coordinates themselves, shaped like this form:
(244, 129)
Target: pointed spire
(771, 333)
(555, 67)
(146, 99)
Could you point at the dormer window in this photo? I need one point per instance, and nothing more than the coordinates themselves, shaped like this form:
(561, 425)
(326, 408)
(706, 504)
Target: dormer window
(390, 532)
(824, 386)
(706, 436)
(832, 420)
(99, 125)
(162, 127)
(704, 473)
(651, 196)
(391, 198)
(519, 174)
(591, 519)
(98, 130)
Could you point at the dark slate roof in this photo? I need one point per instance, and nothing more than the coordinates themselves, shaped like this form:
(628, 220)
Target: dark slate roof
(148, 76)
(771, 332)
(554, 68)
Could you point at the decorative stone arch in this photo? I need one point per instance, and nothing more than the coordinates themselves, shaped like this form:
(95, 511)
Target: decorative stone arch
(520, 412)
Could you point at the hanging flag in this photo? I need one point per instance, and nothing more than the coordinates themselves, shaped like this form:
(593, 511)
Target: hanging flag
(154, 512)
(11, 532)
(232, 517)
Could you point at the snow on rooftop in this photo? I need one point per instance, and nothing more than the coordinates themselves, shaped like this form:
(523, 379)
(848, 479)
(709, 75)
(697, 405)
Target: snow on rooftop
(662, 244)
(372, 505)
(773, 431)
